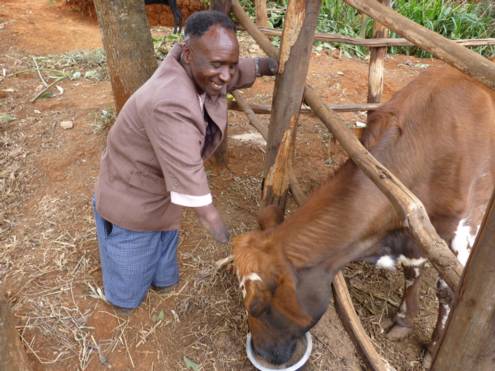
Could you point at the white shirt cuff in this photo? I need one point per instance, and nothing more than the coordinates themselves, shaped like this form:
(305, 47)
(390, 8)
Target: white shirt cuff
(190, 201)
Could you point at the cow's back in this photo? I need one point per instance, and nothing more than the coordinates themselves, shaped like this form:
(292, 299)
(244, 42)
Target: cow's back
(438, 136)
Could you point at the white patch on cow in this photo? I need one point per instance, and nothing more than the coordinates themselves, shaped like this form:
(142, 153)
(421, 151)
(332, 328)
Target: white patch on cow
(416, 272)
(445, 316)
(463, 241)
(410, 262)
(386, 262)
(248, 277)
(409, 283)
(441, 284)
(252, 137)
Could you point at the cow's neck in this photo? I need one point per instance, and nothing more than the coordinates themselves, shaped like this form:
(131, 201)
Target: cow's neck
(340, 222)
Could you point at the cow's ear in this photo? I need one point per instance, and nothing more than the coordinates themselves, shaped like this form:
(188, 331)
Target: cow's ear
(258, 298)
(270, 216)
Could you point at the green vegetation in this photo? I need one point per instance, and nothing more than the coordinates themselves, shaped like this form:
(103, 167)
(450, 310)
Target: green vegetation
(454, 19)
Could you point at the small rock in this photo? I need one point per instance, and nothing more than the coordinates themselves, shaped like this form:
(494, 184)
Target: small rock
(67, 124)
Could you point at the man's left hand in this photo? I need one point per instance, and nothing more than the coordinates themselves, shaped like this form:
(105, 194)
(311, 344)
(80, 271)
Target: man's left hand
(267, 66)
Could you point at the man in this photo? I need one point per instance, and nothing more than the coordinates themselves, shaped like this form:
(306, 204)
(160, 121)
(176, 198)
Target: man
(153, 163)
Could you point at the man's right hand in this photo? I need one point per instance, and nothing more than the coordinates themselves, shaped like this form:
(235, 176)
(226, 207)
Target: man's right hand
(210, 219)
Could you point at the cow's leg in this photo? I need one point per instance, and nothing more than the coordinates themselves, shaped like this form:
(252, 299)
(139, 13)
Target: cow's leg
(445, 297)
(408, 310)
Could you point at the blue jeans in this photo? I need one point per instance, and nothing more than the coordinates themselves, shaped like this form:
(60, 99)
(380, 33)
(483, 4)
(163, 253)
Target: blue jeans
(131, 261)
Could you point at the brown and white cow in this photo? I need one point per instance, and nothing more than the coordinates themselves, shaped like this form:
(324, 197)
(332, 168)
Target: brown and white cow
(437, 135)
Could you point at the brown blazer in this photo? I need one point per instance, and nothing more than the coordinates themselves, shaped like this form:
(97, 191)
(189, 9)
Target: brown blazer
(157, 145)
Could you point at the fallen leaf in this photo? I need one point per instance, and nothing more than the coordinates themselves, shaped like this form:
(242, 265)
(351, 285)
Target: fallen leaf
(191, 364)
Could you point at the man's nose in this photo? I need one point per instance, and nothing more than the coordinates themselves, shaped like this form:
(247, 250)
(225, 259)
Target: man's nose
(225, 74)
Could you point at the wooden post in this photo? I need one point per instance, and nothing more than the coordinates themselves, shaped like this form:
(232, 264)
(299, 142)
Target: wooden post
(261, 17)
(377, 60)
(299, 29)
(468, 342)
(128, 46)
(461, 58)
(12, 355)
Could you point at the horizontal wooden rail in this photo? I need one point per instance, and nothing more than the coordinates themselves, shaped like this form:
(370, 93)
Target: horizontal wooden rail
(351, 107)
(377, 42)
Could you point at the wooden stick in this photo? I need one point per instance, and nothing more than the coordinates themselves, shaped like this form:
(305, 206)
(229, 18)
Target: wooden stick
(376, 42)
(58, 79)
(350, 107)
(242, 105)
(39, 72)
(461, 58)
(353, 325)
(377, 61)
(261, 17)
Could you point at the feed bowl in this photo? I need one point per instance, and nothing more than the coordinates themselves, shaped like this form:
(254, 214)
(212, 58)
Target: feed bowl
(291, 365)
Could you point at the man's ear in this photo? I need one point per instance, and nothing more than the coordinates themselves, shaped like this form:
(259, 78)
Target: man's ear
(186, 52)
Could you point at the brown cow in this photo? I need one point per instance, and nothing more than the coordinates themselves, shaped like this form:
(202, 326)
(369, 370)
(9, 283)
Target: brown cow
(437, 136)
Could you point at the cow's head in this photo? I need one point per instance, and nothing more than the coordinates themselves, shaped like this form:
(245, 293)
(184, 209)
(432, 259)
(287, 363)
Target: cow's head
(282, 303)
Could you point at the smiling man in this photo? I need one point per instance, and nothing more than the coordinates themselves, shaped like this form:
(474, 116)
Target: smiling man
(152, 166)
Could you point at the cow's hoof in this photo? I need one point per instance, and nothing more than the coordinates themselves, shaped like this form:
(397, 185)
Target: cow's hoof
(398, 332)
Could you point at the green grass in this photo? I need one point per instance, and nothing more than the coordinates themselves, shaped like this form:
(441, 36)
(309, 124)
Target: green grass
(454, 19)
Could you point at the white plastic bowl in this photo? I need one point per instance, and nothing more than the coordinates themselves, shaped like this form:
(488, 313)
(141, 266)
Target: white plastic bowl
(251, 356)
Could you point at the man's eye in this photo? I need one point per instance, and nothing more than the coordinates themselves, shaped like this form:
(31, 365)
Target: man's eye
(216, 64)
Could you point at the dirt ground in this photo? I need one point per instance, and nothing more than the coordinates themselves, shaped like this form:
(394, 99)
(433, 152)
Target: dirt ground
(49, 263)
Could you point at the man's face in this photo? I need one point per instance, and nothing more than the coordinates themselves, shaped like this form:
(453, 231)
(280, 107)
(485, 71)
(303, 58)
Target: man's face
(212, 59)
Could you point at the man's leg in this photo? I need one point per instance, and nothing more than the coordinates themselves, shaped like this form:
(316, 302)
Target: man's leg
(167, 269)
(128, 260)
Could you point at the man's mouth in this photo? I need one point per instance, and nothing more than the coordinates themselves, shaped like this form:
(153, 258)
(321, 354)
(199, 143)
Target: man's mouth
(216, 86)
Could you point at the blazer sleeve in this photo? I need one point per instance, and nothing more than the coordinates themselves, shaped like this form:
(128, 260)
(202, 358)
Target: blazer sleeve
(245, 75)
(177, 143)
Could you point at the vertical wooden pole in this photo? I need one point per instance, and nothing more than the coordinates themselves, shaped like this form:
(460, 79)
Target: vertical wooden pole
(377, 60)
(294, 57)
(12, 355)
(261, 17)
(469, 342)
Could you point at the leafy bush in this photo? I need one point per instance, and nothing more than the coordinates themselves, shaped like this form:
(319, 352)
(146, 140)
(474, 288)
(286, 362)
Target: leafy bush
(454, 19)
